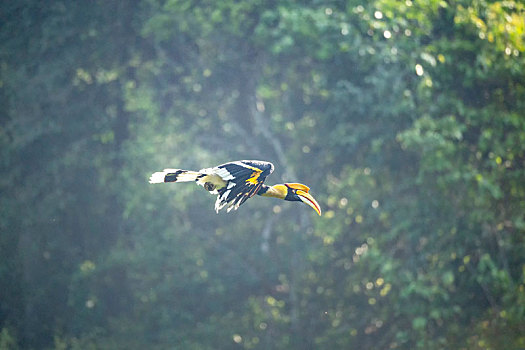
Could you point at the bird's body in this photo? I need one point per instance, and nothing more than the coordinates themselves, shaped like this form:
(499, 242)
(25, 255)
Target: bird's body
(235, 182)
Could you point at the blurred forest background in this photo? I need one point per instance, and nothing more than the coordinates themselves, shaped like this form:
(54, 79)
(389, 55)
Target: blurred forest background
(406, 118)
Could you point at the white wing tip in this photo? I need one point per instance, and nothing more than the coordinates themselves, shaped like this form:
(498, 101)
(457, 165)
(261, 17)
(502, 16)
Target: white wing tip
(157, 178)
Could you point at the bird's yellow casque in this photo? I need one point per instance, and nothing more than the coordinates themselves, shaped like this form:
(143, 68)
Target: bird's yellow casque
(235, 182)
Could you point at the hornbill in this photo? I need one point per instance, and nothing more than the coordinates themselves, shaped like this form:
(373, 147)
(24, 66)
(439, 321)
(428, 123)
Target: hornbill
(235, 182)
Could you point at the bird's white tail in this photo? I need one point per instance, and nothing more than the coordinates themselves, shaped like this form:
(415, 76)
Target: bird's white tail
(174, 175)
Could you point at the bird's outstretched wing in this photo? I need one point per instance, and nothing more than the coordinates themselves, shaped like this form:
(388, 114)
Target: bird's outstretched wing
(243, 179)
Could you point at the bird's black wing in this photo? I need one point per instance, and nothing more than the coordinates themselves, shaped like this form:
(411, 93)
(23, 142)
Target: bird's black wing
(244, 178)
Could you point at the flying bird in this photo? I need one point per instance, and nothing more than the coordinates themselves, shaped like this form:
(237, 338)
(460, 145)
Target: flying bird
(235, 182)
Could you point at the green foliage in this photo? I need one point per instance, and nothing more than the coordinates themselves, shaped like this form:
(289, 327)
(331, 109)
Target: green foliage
(405, 118)
(7, 341)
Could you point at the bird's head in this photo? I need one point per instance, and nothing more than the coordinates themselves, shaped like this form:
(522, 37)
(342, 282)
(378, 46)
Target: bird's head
(297, 192)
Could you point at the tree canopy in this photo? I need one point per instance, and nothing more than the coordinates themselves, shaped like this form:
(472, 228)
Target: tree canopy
(406, 119)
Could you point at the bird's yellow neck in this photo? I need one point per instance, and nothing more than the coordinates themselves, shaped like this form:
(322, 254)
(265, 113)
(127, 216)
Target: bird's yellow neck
(276, 191)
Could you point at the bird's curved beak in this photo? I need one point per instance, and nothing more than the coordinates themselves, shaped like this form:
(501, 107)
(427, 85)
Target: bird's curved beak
(308, 199)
